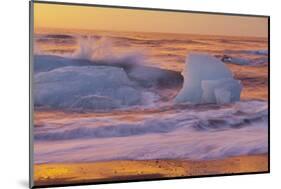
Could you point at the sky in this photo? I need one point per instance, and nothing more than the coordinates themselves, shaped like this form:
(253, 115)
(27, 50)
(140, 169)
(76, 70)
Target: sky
(113, 19)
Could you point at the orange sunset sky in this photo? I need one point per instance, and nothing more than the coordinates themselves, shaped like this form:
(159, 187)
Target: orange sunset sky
(113, 19)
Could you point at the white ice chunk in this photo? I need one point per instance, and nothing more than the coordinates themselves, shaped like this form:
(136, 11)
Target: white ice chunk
(205, 79)
(221, 91)
(85, 87)
(222, 96)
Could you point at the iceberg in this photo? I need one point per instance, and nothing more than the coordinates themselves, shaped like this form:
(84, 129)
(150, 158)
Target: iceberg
(85, 87)
(208, 80)
(44, 63)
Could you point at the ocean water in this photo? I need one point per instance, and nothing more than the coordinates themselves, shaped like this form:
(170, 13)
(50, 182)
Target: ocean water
(109, 95)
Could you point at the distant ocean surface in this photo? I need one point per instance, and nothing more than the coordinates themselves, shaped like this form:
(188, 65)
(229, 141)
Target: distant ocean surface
(109, 96)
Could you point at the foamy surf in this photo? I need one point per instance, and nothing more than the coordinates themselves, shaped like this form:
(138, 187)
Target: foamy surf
(192, 134)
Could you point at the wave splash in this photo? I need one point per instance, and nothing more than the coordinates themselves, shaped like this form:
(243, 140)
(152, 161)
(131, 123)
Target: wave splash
(101, 81)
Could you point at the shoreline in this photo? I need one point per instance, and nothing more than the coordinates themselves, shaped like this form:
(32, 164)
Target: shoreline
(133, 170)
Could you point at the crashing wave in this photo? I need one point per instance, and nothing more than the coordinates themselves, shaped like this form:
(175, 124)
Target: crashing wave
(78, 84)
(240, 115)
(177, 135)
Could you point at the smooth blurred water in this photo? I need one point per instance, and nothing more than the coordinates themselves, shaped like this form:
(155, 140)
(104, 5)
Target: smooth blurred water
(156, 129)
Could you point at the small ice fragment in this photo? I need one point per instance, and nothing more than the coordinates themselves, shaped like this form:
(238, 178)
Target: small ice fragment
(214, 91)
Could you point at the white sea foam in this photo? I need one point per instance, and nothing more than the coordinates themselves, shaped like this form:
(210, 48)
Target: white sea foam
(178, 134)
